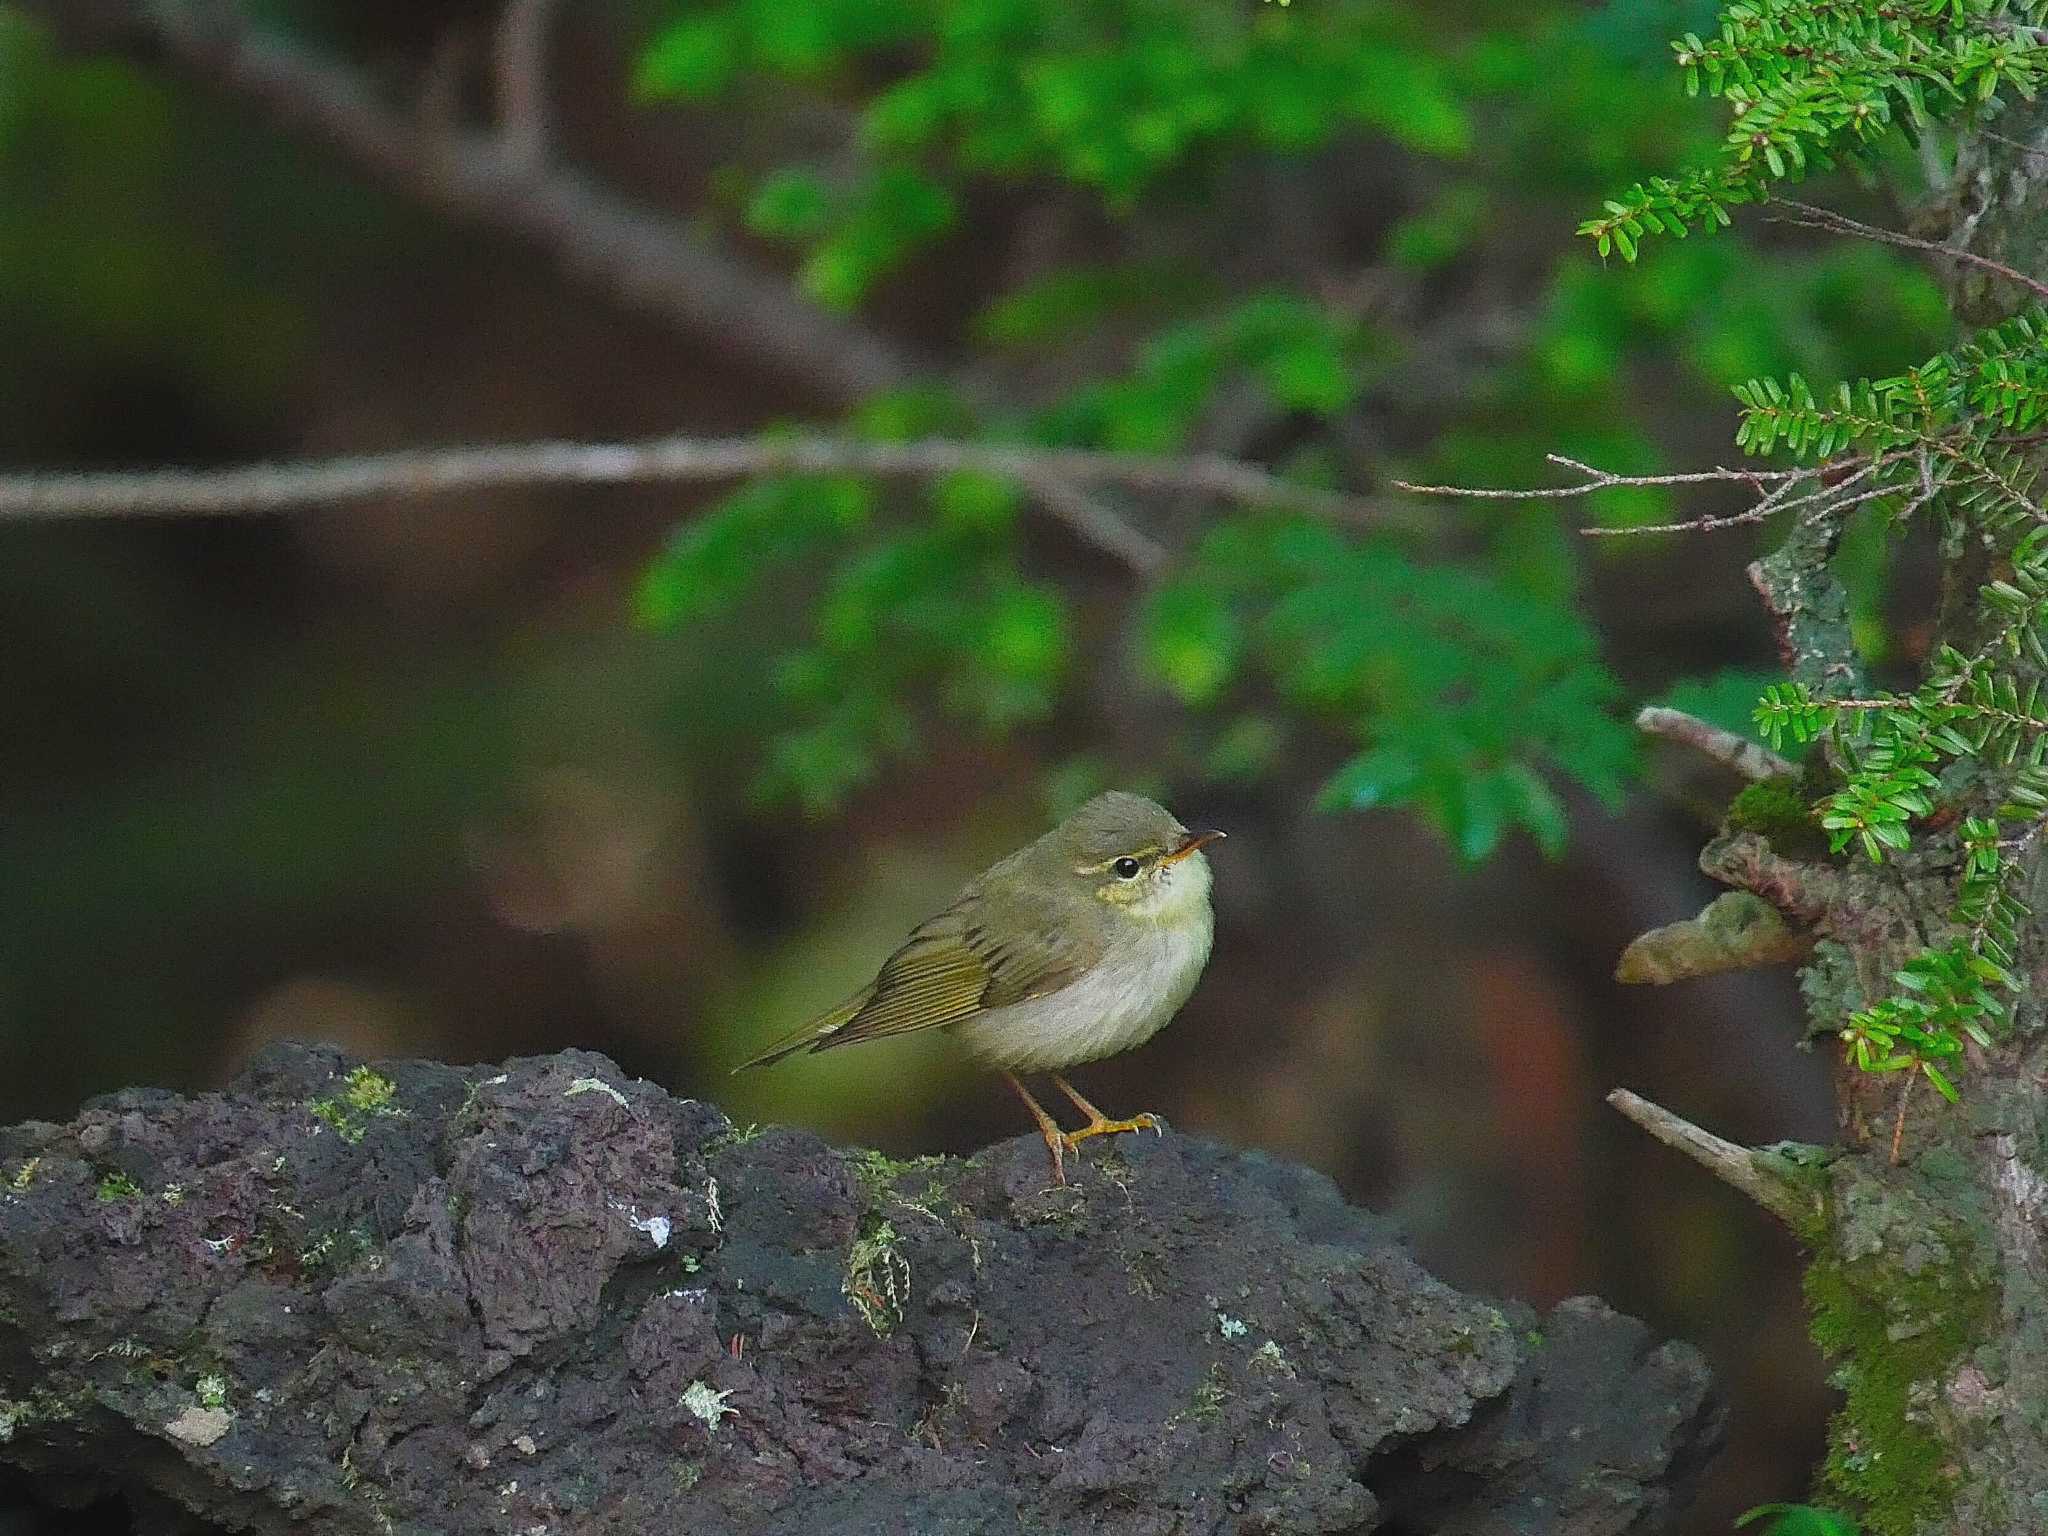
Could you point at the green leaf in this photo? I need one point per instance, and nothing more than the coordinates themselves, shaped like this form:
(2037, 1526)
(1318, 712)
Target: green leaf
(792, 204)
(695, 57)
(1382, 777)
(1797, 1520)
(1191, 640)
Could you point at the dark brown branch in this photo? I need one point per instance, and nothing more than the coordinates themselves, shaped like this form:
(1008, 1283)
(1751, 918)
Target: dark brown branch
(646, 258)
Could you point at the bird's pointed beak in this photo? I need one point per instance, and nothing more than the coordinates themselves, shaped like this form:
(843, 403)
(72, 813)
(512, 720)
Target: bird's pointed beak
(1195, 843)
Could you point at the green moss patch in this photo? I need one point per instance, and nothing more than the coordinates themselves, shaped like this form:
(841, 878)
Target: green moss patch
(1894, 1338)
(363, 1097)
(1775, 810)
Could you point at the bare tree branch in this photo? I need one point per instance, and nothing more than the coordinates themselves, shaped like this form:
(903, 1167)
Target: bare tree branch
(1827, 489)
(648, 259)
(522, 77)
(1098, 524)
(1736, 931)
(1810, 217)
(1603, 480)
(1055, 475)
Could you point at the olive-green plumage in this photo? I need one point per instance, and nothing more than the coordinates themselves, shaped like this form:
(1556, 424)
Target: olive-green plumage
(1109, 909)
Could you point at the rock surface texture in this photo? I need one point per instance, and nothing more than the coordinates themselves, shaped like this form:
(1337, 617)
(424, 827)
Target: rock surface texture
(547, 1298)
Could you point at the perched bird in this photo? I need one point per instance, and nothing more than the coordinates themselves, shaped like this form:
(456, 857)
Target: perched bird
(1080, 945)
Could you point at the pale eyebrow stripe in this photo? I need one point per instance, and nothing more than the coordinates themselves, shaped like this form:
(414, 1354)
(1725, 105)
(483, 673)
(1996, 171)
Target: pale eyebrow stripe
(1140, 854)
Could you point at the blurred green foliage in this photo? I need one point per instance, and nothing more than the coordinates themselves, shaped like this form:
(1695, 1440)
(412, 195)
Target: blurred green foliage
(105, 262)
(1264, 192)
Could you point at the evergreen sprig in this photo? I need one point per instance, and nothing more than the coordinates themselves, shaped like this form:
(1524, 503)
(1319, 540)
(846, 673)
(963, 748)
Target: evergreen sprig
(1893, 751)
(1113, 96)
(1952, 435)
(1812, 82)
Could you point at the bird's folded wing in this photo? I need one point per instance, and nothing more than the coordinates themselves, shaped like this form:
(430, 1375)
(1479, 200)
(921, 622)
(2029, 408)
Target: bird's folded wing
(953, 968)
(807, 1035)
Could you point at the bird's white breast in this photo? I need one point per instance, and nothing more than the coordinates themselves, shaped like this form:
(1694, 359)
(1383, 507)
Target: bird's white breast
(1119, 1003)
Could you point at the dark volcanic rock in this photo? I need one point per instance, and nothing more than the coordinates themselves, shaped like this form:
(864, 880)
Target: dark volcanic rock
(549, 1299)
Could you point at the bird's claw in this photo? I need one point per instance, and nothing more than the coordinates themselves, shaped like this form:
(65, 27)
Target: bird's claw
(1105, 1127)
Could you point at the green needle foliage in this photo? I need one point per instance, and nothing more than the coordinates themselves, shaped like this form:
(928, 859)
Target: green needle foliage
(1815, 83)
(1456, 707)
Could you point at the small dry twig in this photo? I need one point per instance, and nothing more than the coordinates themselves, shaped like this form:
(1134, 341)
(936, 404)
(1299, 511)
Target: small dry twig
(1808, 216)
(1735, 1166)
(1899, 1122)
(1827, 490)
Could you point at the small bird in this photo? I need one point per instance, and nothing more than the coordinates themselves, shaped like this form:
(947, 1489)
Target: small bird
(1077, 946)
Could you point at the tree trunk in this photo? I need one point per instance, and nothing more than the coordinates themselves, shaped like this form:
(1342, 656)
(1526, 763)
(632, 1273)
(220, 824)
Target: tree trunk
(1925, 1222)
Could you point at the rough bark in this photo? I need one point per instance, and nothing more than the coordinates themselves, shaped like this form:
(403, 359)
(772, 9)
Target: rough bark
(1925, 1223)
(550, 1298)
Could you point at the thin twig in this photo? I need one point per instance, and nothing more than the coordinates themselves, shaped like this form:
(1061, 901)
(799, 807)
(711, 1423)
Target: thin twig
(1604, 480)
(2011, 142)
(1057, 475)
(1833, 505)
(1098, 524)
(521, 59)
(1828, 499)
(1713, 524)
(1812, 217)
(1899, 1123)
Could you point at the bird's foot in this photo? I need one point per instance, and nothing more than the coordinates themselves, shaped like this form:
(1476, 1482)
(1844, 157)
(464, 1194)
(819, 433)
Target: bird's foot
(1056, 1148)
(1101, 1126)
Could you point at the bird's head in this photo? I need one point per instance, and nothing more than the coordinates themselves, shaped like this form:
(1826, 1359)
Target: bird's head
(1134, 855)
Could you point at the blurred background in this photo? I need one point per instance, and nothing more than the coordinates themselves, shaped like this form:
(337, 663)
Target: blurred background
(659, 771)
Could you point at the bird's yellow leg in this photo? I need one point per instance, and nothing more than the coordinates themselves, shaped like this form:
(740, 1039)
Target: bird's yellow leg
(1055, 1139)
(1100, 1124)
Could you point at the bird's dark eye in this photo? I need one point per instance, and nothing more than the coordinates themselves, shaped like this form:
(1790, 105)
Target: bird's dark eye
(1126, 868)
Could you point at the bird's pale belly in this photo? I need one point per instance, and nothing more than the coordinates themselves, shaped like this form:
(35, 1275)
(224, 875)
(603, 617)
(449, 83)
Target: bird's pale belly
(1120, 1003)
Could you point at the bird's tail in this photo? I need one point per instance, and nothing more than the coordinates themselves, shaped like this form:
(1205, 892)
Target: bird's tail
(812, 1035)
